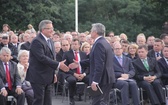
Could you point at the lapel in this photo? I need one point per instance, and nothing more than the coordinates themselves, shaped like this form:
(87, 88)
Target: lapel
(11, 71)
(164, 62)
(115, 60)
(93, 47)
(141, 65)
(2, 68)
(43, 41)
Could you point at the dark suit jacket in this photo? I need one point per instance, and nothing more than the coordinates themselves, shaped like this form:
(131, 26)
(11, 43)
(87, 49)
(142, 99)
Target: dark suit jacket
(164, 70)
(15, 78)
(101, 63)
(25, 46)
(14, 51)
(42, 62)
(126, 68)
(151, 53)
(69, 56)
(141, 71)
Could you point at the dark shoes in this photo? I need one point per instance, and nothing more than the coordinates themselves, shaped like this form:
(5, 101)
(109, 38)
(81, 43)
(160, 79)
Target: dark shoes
(80, 98)
(72, 101)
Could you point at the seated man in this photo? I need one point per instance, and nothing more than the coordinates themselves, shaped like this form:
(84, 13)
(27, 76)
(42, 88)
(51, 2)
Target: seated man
(74, 75)
(10, 82)
(148, 76)
(163, 64)
(124, 72)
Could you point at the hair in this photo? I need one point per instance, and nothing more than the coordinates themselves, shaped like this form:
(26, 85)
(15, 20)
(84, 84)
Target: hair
(162, 36)
(165, 47)
(6, 25)
(43, 24)
(74, 40)
(143, 46)
(158, 40)
(21, 52)
(57, 43)
(134, 45)
(99, 28)
(141, 35)
(65, 35)
(84, 44)
(5, 49)
(124, 41)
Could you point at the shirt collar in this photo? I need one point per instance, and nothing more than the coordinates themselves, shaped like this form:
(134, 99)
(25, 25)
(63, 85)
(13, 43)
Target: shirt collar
(119, 56)
(97, 38)
(144, 59)
(44, 37)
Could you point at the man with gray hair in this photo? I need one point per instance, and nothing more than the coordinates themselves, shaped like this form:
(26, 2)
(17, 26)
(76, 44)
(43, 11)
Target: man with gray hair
(41, 72)
(101, 65)
(10, 82)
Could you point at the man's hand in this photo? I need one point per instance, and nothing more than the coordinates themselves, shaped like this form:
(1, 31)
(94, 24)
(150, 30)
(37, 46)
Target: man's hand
(19, 90)
(4, 92)
(149, 78)
(74, 65)
(157, 58)
(121, 78)
(63, 66)
(125, 76)
(55, 78)
(81, 76)
(77, 76)
(93, 86)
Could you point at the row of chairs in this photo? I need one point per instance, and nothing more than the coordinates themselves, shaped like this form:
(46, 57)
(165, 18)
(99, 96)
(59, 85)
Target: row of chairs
(114, 91)
(65, 91)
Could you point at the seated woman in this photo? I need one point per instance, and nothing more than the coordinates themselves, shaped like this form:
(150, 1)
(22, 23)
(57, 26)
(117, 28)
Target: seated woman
(22, 66)
(132, 51)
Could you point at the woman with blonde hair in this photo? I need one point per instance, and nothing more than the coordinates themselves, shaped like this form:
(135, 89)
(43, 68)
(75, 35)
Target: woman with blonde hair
(86, 47)
(132, 51)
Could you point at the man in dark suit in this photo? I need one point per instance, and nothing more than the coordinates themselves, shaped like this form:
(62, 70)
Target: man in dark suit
(10, 82)
(65, 46)
(101, 64)
(41, 72)
(26, 45)
(148, 76)
(5, 43)
(78, 74)
(157, 48)
(163, 64)
(124, 73)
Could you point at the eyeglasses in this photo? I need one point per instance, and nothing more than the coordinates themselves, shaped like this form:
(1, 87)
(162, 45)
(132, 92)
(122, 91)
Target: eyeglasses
(117, 48)
(49, 28)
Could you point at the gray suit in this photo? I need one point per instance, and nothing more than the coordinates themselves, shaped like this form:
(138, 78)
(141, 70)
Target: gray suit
(126, 86)
(16, 81)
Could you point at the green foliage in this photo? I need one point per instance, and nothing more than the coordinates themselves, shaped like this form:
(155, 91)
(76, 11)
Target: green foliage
(121, 16)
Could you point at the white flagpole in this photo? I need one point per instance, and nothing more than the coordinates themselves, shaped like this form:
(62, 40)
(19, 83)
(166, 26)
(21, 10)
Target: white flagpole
(76, 15)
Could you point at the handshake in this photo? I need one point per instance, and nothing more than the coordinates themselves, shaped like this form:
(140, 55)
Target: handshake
(66, 68)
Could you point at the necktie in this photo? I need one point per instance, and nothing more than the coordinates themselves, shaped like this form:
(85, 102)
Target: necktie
(157, 54)
(120, 60)
(77, 59)
(146, 64)
(49, 43)
(8, 78)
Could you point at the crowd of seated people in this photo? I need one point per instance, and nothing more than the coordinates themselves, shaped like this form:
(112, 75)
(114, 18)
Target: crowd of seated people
(144, 63)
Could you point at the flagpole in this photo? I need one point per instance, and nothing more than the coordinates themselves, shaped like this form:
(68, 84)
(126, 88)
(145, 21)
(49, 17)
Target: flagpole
(76, 15)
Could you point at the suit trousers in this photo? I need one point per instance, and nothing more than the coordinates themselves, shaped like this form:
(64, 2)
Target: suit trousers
(20, 98)
(72, 84)
(29, 94)
(102, 99)
(154, 91)
(42, 94)
(127, 87)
